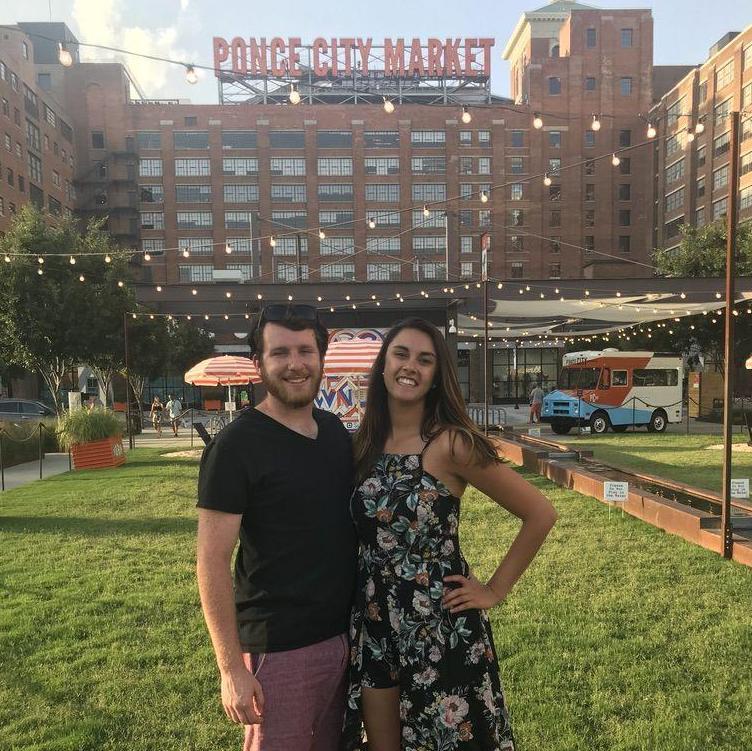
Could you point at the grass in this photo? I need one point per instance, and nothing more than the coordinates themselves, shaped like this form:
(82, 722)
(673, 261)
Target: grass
(685, 458)
(618, 638)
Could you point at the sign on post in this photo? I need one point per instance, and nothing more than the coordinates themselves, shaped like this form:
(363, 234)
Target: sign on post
(615, 492)
(740, 488)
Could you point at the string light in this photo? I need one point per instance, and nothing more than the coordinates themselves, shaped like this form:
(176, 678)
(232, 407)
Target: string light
(294, 95)
(700, 127)
(64, 57)
(690, 135)
(40, 260)
(39, 270)
(228, 249)
(596, 124)
(186, 253)
(147, 257)
(72, 261)
(228, 295)
(371, 223)
(546, 179)
(483, 196)
(466, 116)
(537, 121)
(159, 288)
(194, 291)
(388, 108)
(272, 241)
(322, 234)
(120, 284)
(426, 211)
(652, 132)
(615, 160)
(190, 74)
(107, 259)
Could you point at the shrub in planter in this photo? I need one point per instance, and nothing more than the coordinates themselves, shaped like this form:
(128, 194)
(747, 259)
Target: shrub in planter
(94, 438)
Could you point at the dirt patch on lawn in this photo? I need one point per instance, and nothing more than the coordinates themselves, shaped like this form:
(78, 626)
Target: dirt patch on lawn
(189, 454)
(737, 447)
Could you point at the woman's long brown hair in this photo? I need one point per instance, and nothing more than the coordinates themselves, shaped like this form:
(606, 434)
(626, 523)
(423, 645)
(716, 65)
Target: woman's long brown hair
(444, 405)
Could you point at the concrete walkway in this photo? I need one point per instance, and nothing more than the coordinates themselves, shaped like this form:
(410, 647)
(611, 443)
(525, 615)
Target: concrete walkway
(21, 474)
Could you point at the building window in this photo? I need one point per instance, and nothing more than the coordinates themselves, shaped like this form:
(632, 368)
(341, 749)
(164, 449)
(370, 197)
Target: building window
(517, 269)
(515, 192)
(35, 170)
(702, 92)
(150, 167)
(97, 139)
(240, 245)
(625, 192)
(193, 193)
(382, 218)
(555, 219)
(589, 243)
(248, 192)
(554, 244)
(625, 138)
(517, 139)
(673, 228)
(429, 244)
(33, 137)
(466, 138)
(746, 163)
(291, 272)
(428, 138)
(554, 166)
(466, 243)
(288, 246)
(241, 167)
(466, 270)
(625, 217)
(435, 219)
(287, 139)
(190, 139)
(554, 192)
(747, 95)
(152, 220)
(589, 167)
(590, 217)
(282, 192)
(465, 217)
(381, 139)
(426, 192)
(335, 166)
(747, 57)
(287, 166)
(382, 165)
(484, 138)
(484, 218)
(625, 166)
(383, 272)
(336, 246)
(720, 177)
(700, 189)
(335, 192)
(192, 168)
(290, 219)
(724, 75)
(554, 271)
(484, 165)
(148, 140)
(244, 268)
(674, 200)
(154, 246)
(674, 171)
(196, 273)
(517, 243)
(701, 156)
(383, 245)
(334, 139)
(626, 38)
(335, 218)
(517, 217)
(554, 85)
(721, 112)
(700, 217)
(384, 193)
(590, 38)
(590, 83)
(625, 86)
(194, 220)
(625, 243)
(672, 145)
(589, 139)
(674, 111)
(428, 165)
(745, 198)
(238, 139)
(237, 219)
(516, 166)
(721, 144)
(197, 246)
(554, 139)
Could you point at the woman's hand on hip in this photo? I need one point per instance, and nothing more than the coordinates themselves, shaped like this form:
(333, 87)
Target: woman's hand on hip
(470, 594)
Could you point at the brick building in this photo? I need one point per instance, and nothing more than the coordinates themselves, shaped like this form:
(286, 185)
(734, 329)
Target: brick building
(694, 139)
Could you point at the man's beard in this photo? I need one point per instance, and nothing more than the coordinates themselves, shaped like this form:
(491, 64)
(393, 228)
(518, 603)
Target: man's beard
(291, 397)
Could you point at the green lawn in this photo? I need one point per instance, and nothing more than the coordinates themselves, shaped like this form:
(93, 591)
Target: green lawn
(685, 458)
(620, 637)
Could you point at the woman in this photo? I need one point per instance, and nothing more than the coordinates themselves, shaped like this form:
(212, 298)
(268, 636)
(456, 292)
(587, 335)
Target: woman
(423, 672)
(156, 415)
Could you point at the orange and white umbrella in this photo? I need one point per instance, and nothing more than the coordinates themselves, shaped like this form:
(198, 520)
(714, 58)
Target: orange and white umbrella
(749, 363)
(227, 370)
(351, 357)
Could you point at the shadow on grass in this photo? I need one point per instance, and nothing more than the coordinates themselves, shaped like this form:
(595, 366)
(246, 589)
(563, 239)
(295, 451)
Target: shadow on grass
(95, 527)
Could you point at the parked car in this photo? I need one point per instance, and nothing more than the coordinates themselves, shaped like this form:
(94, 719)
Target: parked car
(14, 410)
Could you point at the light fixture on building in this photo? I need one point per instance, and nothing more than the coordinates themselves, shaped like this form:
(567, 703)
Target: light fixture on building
(294, 95)
(65, 57)
(388, 106)
(466, 116)
(537, 121)
(546, 179)
(190, 74)
(596, 124)
(652, 132)
(615, 160)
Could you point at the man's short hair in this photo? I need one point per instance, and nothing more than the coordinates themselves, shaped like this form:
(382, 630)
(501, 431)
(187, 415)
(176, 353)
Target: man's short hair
(289, 319)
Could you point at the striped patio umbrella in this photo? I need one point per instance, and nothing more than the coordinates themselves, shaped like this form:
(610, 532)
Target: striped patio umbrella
(227, 370)
(352, 357)
(749, 363)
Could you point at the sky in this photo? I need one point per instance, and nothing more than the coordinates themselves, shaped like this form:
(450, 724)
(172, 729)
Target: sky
(183, 29)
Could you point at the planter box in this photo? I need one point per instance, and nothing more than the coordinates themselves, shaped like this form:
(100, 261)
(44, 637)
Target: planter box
(212, 405)
(108, 452)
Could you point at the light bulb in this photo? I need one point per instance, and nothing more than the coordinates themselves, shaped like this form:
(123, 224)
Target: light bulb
(388, 106)
(294, 95)
(700, 128)
(194, 291)
(483, 196)
(120, 284)
(39, 259)
(615, 160)
(322, 234)
(72, 261)
(190, 74)
(228, 295)
(228, 249)
(65, 58)
(690, 135)
(547, 180)
(596, 124)
(371, 223)
(186, 253)
(39, 271)
(159, 288)
(537, 121)
(147, 257)
(466, 116)
(426, 211)
(81, 278)
(651, 130)
(108, 259)
(272, 241)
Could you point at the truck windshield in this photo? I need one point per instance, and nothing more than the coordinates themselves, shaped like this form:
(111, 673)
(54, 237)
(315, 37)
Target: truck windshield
(579, 378)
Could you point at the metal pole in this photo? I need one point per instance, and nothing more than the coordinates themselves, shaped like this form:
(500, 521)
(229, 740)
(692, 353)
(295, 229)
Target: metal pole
(40, 450)
(191, 427)
(298, 269)
(485, 354)
(688, 397)
(2, 466)
(127, 384)
(446, 244)
(728, 401)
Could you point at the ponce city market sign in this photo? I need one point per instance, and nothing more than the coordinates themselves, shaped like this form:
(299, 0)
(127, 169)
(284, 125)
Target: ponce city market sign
(278, 57)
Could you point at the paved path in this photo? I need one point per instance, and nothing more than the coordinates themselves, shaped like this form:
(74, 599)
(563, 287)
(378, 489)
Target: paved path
(52, 464)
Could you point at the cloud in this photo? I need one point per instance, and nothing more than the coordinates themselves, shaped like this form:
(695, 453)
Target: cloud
(101, 22)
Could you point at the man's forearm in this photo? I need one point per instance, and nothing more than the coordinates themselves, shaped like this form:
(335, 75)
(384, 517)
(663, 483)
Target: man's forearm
(218, 603)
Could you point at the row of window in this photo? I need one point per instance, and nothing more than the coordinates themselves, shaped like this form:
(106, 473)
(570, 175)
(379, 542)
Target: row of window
(516, 218)
(626, 85)
(295, 139)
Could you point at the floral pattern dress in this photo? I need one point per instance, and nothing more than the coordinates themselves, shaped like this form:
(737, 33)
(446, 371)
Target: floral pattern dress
(451, 697)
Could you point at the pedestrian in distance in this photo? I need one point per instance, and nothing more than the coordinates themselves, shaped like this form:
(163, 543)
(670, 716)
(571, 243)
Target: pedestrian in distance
(279, 478)
(423, 666)
(156, 415)
(174, 408)
(536, 402)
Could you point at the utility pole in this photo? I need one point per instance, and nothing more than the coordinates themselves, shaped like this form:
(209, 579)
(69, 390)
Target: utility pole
(127, 385)
(298, 266)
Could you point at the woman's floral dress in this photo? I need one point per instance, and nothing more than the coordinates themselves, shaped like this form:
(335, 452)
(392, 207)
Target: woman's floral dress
(445, 664)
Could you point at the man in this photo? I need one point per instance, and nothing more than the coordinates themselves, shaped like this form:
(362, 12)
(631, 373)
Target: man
(174, 408)
(280, 476)
(536, 402)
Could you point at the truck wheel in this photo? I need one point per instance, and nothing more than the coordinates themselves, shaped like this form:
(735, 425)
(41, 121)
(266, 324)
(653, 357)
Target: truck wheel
(599, 422)
(560, 428)
(658, 422)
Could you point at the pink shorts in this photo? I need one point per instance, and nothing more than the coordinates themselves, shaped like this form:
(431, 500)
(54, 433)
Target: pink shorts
(304, 697)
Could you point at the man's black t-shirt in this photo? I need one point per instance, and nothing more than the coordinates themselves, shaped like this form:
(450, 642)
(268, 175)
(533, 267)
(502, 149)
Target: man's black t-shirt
(295, 569)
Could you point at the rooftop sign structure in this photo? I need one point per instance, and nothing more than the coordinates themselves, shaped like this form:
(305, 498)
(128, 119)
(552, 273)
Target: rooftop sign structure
(353, 69)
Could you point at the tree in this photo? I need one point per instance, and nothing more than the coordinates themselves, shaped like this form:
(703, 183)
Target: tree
(188, 345)
(148, 352)
(52, 321)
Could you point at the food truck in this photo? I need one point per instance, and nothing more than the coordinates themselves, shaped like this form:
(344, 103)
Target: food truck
(613, 389)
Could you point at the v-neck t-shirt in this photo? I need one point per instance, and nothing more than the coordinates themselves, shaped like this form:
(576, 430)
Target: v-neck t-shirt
(295, 568)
